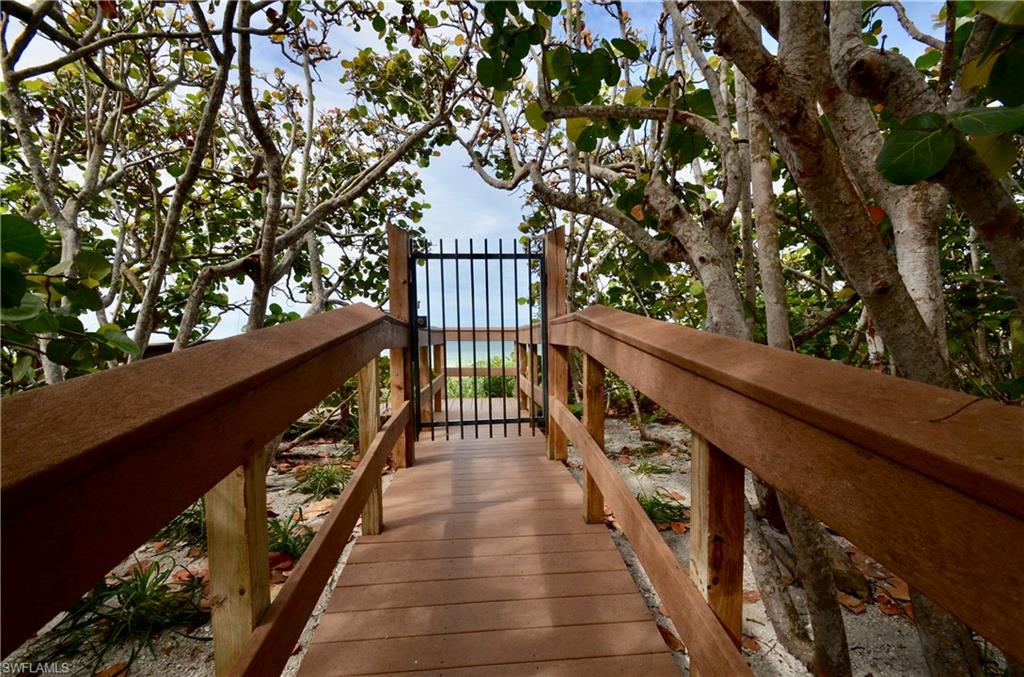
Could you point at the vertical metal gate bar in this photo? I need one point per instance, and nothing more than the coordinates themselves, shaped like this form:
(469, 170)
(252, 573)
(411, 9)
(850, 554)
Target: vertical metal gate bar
(444, 331)
(501, 322)
(487, 329)
(515, 344)
(544, 333)
(472, 320)
(458, 336)
(414, 335)
(430, 344)
(531, 357)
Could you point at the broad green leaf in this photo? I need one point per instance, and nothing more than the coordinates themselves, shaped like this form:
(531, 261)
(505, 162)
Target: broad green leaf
(30, 306)
(22, 369)
(62, 351)
(1009, 13)
(998, 151)
(928, 60)
(626, 48)
(116, 338)
(12, 285)
(984, 121)
(558, 63)
(202, 57)
(1004, 80)
(587, 140)
(535, 116)
(92, 265)
(176, 170)
(488, 72)
(21, 236)
(633, 96)
(58, 269)
(379, 23)
(575, 126)
(917, 151)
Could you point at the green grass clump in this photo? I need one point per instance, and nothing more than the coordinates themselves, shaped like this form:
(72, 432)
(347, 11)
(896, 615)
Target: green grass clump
(322, 481)
(129, 610)
(648, 468)
(187, 529)
(289, 537)
(663, 508)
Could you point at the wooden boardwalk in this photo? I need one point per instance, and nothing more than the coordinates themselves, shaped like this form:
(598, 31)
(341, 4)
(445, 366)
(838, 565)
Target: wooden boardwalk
(486, 567)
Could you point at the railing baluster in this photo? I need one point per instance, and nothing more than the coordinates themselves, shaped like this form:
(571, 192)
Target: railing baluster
(716, 531)
(593, 419)
(236, 528)
(369, 424)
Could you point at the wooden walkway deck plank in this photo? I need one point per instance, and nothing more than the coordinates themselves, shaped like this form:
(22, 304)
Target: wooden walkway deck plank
(486, 567)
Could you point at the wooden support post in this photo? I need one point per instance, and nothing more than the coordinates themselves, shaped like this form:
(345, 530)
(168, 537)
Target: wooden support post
(556, 358)
(533, 364)
(401, 358)
(439, 358)
(236, 528)
(593, 420)
(716, 531)
(425, 378)
(369, 424)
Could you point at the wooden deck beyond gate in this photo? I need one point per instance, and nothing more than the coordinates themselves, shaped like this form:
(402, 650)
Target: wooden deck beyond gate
(485, 567)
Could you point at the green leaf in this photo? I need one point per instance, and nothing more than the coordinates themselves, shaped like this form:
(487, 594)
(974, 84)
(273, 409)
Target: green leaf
(535, 116)
(998, 151)
(633, 96)
(30, 306)
(92, 265)
(202, 57)
(62, 351)
(928, 60)
(379, 24)
(116, 338)
(626, 48)
(12, 285)
(989, 120)
(920, 149)
(586, 142)
(1008, 13)
(21, 236)
(575, 126)
(176, 170)
(84, 296)
(488, 72)
(559, 63)
(1004, 79)
(22, 369)
(59, 268)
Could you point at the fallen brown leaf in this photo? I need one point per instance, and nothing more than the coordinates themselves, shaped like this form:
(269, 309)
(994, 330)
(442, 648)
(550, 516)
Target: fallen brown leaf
(195, 552)
(679, 527)
(850, 602)
(159, 546)
(673, 642)
(886, 603)
(113, 671)
(751, 596)
(750, 644)
(662, 526)
(320, 507)
(897, 588)
(908, 609)
(280, 561)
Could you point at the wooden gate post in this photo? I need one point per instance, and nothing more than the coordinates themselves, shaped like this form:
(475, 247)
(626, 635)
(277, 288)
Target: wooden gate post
(401, 358)
(556, 358)
(593, 420)
(236, 533)
(716, 531)
(369, 424)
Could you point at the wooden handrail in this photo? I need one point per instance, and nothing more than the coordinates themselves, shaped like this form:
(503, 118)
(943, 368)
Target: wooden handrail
(272, 641)
(530, 390)
(427, 392)
(706, 640)
(93, 467)
(928, 481)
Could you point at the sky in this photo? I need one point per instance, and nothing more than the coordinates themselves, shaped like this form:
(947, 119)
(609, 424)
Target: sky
(462, 205)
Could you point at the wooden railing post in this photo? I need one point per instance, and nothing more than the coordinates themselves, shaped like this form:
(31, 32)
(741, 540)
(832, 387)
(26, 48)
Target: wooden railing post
(439, 358)
(716, 531)
(401, 358)
(236, 533)
(556, 358)
(426, 377)
(369, 424)
(593, 420)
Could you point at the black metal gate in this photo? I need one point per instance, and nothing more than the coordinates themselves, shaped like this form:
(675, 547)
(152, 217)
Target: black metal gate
(450, 292)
